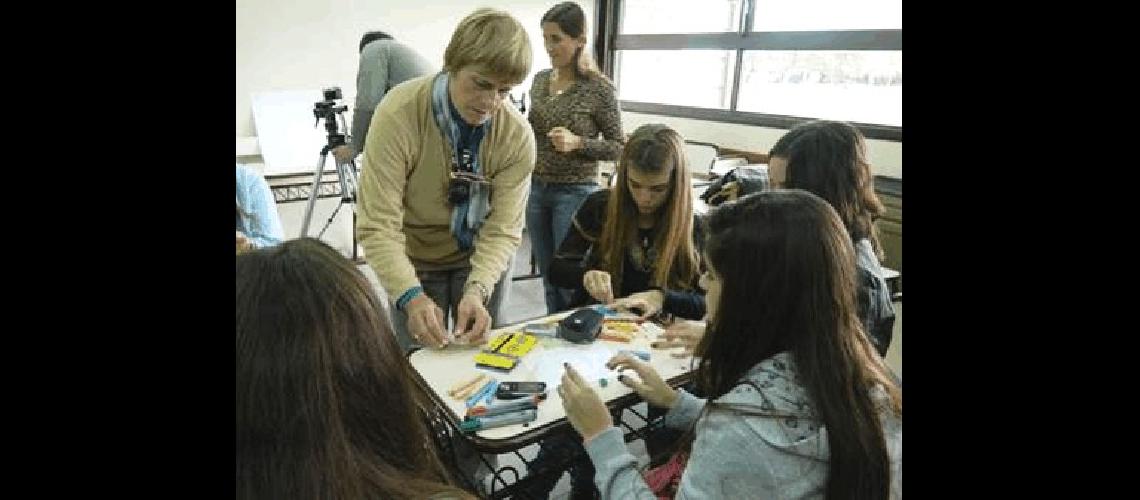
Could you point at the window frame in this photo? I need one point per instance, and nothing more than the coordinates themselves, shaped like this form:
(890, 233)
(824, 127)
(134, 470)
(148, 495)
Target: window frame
(740, 41)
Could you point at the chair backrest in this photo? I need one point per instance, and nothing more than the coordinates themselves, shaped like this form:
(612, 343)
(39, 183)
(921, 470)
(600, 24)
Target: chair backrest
(701, 156)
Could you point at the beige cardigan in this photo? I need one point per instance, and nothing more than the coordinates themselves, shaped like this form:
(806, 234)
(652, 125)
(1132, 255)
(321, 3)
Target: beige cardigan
(403, 215)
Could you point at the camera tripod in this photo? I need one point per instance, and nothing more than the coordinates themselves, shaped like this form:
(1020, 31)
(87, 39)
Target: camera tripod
(346, 172)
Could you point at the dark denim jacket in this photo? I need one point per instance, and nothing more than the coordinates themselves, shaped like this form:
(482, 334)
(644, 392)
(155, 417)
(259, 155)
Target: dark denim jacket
(876, 311)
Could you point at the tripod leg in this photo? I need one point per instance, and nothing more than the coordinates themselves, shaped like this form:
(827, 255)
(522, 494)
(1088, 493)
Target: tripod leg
(349, 185)
(347, 191)
(331, 217)
(350, 167)
(313, 192)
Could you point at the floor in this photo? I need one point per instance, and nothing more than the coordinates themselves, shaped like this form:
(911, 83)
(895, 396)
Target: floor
(525, 301)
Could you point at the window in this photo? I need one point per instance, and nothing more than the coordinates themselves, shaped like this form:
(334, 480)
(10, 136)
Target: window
(763, 62)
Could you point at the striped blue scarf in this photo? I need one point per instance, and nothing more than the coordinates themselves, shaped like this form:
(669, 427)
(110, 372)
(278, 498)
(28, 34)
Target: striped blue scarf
(466, 217)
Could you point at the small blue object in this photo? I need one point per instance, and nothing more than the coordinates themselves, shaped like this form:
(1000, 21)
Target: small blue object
(407, 296)
(482, 393)
(602, 382)
(641, 354)
(491, 392)
(605, 311)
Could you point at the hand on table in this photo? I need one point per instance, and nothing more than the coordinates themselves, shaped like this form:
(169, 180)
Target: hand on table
(648, 302)
(426, 322)
(684, 333)
(598, 285)
(471, 320)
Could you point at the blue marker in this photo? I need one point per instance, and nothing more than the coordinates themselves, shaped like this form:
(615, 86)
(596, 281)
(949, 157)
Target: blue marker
(482, 393)
(641, 354)
(605, 311)
(491, 392)
(472, 424)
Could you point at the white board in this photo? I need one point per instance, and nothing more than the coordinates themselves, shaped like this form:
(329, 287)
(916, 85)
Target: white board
(288, 140)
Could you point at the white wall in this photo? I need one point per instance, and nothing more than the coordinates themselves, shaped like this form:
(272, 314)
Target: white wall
(312, 44)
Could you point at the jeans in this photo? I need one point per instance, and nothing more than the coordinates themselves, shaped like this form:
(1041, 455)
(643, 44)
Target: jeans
(446, 288)
(549, 211)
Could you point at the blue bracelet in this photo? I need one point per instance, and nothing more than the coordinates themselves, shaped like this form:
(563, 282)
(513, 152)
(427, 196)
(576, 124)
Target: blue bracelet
(408, 295)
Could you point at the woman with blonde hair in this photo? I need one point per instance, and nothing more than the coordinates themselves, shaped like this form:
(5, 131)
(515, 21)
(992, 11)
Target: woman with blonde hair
(443, 189)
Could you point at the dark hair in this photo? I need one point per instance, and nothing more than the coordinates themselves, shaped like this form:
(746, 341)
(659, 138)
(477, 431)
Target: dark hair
(325, 405)
(372, 36)
(572, 20)
(829, 159)
(787, 274)
(652, 148)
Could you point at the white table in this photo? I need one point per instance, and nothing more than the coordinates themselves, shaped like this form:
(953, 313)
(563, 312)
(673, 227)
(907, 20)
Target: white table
(439, 370)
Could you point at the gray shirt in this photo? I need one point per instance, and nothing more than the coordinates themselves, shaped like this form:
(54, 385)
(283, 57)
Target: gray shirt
(736, 455)
(383, 65)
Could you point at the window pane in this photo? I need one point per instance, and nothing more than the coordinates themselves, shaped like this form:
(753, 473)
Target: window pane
(856, 85)
(701, 78)
(823, 15)
(680, 16)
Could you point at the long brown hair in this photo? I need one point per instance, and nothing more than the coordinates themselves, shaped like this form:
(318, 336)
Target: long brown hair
(572, 20)
(652, 148)
(787, 272)
(325, 405)
(829, 158)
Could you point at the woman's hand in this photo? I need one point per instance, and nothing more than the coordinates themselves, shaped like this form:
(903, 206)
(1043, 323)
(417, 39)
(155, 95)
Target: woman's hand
(651, 387)
(343, 154)
(584, 409)
(685, 333)
(244, 244)
(597, 284)
(426, 323)
(471, 311)
(648, 302)
(563, 140)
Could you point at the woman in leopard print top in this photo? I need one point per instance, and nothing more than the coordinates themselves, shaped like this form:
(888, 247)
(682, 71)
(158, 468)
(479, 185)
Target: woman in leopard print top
(571, 104)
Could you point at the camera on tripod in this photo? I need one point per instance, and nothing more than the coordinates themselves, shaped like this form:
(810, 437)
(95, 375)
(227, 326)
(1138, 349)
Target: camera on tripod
(327, 109)
(333, 115)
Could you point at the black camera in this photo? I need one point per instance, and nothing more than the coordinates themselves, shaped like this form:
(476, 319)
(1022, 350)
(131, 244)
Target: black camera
(327, 108)
(458, 191)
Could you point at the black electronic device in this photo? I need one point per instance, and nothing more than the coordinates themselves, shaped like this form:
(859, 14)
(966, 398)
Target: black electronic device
(581, 326)
(515, 390)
